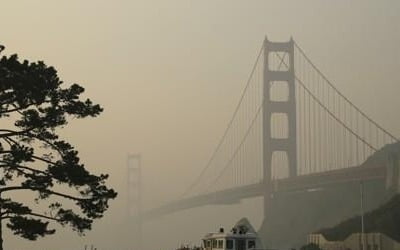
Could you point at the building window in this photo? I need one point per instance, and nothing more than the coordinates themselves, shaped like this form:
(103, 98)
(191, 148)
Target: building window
(251, 244)
(208, 243)
(214, 243)
(229, 244)
(220, 244)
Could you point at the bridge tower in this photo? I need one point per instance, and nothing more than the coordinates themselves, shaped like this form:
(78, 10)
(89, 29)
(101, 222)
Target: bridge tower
(134, 210)
(273, 74)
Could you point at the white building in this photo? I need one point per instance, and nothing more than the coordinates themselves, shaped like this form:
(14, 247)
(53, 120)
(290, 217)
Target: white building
(241, 237)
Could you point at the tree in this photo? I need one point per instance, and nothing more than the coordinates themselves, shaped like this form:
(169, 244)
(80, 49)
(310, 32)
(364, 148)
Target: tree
(310, 246)
(35, 160)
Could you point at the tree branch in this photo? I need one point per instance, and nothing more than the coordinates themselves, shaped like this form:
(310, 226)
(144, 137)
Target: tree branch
(43, 160)
(12, 188)
(13, 133)
(15, 166)
(32, 214)
(49, 143)
(17, 109)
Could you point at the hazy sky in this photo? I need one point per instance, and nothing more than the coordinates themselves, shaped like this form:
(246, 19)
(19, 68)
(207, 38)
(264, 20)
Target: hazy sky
(169, 74)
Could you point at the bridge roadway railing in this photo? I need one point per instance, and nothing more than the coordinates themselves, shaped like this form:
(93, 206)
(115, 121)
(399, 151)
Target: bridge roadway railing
(295, 184)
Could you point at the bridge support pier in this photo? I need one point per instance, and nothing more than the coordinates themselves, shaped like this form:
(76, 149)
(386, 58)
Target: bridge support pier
(274, 74)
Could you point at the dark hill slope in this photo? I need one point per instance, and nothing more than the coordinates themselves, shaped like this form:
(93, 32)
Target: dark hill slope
(385, 219)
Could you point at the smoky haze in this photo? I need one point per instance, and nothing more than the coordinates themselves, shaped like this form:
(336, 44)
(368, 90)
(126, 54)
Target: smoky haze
(169, 74)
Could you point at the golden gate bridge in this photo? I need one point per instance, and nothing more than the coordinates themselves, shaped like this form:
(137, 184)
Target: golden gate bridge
(292, 131)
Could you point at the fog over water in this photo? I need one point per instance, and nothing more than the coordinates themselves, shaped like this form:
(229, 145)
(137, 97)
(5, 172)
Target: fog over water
(169, 74)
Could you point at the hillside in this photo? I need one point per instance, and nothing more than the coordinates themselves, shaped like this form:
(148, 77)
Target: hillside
(381, 155)
(385, 219)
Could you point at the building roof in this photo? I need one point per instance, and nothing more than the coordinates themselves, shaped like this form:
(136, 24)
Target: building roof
(244, 223)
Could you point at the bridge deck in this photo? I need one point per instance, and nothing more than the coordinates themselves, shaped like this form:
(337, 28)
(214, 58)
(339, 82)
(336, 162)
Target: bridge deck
(300, 183)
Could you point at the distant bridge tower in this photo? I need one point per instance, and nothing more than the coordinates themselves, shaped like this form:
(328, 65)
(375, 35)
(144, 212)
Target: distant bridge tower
(280, 71)
(134, 201)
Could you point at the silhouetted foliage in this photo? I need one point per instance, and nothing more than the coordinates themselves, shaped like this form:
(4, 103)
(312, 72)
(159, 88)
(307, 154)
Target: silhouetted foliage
(385, 219)
(310, 246)
(33, 158)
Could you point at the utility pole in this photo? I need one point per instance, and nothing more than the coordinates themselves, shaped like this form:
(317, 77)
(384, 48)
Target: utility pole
(362, 214)
(134, 201)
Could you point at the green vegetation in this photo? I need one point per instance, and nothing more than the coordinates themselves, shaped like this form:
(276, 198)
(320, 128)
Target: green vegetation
(385, 219)
(35, 160)
(310, 246)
